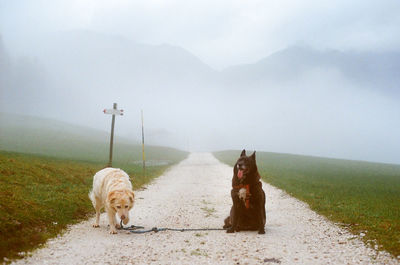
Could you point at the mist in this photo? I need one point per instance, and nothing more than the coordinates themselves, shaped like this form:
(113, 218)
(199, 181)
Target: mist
(301, 95)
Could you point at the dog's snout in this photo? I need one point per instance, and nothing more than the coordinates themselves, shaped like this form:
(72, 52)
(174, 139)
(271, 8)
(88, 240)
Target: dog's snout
(122, 217)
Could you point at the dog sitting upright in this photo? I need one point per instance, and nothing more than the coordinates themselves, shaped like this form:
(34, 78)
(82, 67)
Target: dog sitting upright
(112, 189)
(248, 209)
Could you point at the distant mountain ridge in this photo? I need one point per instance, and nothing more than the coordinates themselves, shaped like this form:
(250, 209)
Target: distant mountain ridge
(99, 55)
(104, 61)
(375, 70)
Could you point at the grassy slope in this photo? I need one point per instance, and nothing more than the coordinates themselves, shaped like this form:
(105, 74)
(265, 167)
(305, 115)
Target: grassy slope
(27, 134)
(44, 188)
(363, 196)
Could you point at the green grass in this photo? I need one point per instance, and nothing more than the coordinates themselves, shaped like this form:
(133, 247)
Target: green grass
(40, 196)
(362, 196)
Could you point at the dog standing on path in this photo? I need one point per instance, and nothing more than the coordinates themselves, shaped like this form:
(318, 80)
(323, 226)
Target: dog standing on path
(112, 190)
(248, 209)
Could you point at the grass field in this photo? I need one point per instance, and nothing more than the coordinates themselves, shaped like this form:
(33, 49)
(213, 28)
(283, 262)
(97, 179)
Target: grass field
(40, 196)
(362, 196)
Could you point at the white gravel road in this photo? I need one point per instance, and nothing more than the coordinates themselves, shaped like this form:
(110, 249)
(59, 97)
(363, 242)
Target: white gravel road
(196, 193)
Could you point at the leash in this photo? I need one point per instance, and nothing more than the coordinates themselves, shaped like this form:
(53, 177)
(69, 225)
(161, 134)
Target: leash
(140, 229)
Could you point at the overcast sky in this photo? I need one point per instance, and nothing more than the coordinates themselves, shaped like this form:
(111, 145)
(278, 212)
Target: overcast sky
(221, 33)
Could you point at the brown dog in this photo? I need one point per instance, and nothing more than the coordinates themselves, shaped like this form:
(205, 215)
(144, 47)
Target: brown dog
(248, 209)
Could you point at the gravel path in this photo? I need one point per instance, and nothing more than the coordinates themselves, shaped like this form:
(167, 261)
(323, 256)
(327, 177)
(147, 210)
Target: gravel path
(196, 193)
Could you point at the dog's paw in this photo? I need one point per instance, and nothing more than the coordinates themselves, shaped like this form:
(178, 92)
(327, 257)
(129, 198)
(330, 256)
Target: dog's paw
(96, 225)
(113, 232)
(261, 232)
(230, 230)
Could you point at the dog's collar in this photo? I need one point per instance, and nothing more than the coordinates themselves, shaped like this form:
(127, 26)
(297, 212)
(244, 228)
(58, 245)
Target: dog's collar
(247, 187)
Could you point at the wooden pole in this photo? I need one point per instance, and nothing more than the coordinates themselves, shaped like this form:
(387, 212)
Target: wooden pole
(143, 155)
(112, 136)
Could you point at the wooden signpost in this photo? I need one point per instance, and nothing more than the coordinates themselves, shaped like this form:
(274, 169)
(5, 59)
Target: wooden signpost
(114, 111)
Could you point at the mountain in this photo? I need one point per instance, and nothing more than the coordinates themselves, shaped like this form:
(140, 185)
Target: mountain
(76, 69)
(72, 65)
(376, 71)
(74, 74)
(105, 62)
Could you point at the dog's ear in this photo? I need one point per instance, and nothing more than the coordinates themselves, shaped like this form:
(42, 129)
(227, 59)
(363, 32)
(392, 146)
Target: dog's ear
(111, 197)
(243, 153)
(253, 156)
(131, 196)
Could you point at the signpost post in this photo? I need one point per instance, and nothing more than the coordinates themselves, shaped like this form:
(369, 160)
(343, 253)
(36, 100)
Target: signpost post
(114, 111)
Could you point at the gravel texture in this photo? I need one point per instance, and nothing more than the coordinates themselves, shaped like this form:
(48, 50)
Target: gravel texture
(196, 194)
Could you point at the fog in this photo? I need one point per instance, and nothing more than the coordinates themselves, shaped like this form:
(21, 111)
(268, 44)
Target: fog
(211, 76)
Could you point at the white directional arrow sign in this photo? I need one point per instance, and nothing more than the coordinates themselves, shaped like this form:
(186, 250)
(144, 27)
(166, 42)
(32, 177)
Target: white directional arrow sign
(114, 111)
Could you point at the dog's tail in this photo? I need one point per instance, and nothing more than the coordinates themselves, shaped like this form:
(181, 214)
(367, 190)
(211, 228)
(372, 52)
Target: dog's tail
(91, 197)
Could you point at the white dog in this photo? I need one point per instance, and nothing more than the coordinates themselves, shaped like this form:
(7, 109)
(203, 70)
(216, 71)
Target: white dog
(112, 189)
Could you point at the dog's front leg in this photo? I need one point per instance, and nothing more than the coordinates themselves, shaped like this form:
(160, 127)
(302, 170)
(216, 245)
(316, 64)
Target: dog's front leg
(234, 212)
(96, 224)
(112, 221)
(233, 217)
(260, 217)
(117, 225)
(235, 222)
